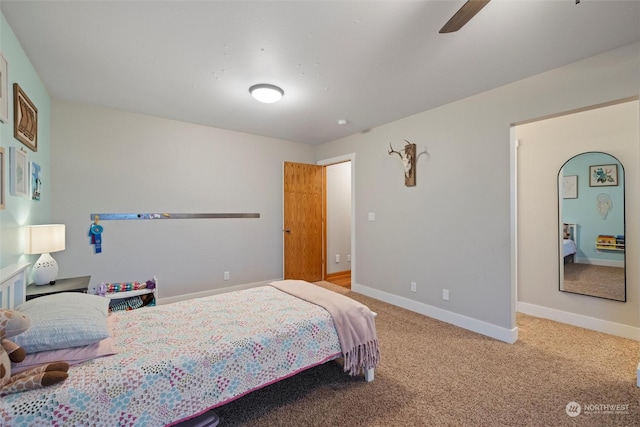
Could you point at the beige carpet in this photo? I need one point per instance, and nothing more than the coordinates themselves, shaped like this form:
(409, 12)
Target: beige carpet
(435, 374)
(595, 280)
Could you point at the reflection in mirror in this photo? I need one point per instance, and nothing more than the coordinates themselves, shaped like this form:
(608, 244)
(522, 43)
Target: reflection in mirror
(592, 226)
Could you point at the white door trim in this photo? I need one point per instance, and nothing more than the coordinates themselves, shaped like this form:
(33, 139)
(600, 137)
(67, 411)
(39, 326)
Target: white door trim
(351, 157)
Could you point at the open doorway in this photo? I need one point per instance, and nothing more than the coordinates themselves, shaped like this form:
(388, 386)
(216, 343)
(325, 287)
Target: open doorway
(305, 234)
(338, 223)
(541, 212)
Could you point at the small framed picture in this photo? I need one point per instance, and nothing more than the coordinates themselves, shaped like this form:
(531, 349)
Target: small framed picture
(25, 119)
(603, 175)
(570, 187)
(4, 96)
(2, 178)
(36, 182)
(19, 175)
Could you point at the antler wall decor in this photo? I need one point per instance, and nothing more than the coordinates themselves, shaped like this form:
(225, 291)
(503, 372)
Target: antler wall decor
(408, 157)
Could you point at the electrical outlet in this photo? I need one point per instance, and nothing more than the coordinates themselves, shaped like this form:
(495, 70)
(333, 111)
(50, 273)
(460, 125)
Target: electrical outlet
(226, 275)
(445, 294)
(349, 258)
(413, 287)
(337, 258)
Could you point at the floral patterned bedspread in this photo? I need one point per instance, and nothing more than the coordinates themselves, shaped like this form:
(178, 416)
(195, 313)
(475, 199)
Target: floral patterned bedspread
(176, 361)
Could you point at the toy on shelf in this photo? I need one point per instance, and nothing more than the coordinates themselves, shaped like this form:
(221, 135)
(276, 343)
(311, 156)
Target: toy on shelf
(105, 288)
(129, 295)
(610, 242)
(131, 303)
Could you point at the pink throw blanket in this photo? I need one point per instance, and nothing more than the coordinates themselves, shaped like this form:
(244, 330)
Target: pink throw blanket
(354, 323)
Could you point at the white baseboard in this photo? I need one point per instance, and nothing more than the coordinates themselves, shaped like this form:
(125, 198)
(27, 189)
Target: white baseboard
(612, 328)
(507, 335)
(210, 292)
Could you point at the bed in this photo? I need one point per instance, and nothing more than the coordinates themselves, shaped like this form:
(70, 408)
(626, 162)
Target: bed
(569, 247)
(177, 361)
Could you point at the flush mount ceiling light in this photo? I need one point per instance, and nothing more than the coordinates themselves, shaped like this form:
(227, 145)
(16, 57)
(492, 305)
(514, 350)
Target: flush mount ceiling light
(266, 93)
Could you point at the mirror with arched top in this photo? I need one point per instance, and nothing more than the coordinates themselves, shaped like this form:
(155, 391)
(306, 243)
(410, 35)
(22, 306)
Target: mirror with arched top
(591, 226)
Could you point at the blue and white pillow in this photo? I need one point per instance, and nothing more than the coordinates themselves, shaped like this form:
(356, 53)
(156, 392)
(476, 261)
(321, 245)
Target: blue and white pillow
(65, 320)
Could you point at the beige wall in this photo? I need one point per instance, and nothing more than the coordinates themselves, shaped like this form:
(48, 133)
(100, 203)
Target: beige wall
(453, 230)
(544, 146)
(109, 161)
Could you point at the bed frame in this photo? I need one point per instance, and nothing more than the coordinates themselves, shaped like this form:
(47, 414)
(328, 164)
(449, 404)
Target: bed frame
(569, 232)
(13, 285)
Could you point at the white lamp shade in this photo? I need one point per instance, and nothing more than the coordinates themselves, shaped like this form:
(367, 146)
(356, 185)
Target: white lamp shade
(43, 239)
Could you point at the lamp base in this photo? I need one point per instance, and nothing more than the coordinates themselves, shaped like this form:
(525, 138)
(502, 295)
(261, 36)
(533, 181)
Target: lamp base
(45, 270)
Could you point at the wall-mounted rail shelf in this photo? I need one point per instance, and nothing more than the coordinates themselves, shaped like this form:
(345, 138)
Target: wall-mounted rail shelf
(610, 247)
(610, 243)
(143, 216)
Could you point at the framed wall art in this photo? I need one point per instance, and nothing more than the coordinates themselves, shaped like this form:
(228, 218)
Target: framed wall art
(25, 119)
(36, 183)
(1, 178)
(603, 175)
(18, 175)
(4, 95)
(570, 187)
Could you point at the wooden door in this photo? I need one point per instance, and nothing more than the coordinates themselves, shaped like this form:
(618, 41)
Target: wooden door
(303, 225)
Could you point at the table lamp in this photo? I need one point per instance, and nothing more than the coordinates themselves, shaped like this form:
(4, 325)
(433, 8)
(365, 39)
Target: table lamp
(43, 239)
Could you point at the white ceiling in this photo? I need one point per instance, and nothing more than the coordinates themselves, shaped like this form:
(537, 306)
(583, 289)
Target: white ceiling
(369, 62)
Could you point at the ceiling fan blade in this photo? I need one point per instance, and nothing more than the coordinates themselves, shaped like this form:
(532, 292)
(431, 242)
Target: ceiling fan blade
(463, 15)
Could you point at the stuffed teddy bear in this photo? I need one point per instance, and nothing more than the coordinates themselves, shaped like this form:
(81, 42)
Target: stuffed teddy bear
(13, 323)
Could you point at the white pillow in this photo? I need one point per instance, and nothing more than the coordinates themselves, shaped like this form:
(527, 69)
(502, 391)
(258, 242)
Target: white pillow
(65, 320)
(72, 356)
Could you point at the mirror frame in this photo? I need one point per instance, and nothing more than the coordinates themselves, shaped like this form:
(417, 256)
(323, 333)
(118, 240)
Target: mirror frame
(561, 227)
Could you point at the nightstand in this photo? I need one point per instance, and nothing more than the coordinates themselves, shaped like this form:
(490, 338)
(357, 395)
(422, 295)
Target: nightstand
(72, 284)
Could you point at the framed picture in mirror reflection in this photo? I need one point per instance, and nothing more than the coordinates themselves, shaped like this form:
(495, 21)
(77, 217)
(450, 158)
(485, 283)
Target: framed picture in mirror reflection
(603, 175)
(570, 187)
